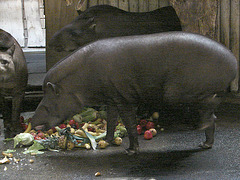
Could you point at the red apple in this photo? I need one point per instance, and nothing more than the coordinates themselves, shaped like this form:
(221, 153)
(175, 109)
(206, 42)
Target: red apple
(139, 129)
(62, 126)
(71, 122)
(33, 134)
(143, 122)
(150, 125)
(148, 135)
(41, 135)
(37, 138)
(77, 125)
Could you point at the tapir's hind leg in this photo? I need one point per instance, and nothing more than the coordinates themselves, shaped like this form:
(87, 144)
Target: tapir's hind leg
(175, 93)
(209, 133)
(207, 120)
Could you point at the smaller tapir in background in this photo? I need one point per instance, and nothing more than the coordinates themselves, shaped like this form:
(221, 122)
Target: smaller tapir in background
(104, 21)
(13, 80)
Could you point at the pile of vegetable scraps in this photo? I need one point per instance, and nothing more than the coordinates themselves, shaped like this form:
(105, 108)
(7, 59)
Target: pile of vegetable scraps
(84, 130)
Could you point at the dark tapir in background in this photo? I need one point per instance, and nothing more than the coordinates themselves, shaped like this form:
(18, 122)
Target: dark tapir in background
(13, 81)
(125, 72)
(104, 21)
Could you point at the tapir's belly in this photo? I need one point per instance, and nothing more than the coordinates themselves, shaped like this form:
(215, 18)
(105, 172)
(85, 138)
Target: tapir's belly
(191, 83)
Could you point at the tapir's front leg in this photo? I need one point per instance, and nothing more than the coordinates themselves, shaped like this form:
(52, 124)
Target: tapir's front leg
(6, 113)
(128, 115)
(16, 110)
(112, 115)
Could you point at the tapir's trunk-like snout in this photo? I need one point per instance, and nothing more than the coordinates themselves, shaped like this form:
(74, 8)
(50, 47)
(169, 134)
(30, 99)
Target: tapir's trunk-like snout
(43, 120)
(41, 117)
(37, 121)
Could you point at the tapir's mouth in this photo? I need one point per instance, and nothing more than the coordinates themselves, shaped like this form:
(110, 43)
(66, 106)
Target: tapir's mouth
(40, 127)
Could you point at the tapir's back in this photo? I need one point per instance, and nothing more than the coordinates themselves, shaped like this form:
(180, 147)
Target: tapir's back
(178, 64)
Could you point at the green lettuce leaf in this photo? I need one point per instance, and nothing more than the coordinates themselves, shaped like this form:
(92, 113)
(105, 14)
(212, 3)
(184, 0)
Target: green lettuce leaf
(25, 139)
(35, 148)
(9, 151)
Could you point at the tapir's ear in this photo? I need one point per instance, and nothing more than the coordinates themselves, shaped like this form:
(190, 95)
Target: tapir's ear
(11, 50)
(91, 24)
(92, 27)
(53, 87)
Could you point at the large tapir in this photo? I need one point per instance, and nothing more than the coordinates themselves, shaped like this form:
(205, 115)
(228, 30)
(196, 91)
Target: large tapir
(13, 80)
(104, 21)
(124, 72)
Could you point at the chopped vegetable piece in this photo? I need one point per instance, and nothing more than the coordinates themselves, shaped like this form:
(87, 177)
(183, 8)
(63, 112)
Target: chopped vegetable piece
(102, 144)
(9, 151)
(97, 174)
(16, 160)
(70, 145)
(9, 155)
(118, 141)
(155, 115)
(4, 160)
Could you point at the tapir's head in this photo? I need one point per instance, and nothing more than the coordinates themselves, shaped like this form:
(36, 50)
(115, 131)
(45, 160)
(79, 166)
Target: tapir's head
(7, 67)
(56, 106)
(74, 35)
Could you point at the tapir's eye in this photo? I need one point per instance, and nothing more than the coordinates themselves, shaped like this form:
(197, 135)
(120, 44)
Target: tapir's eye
(75, 33)
(4, 62)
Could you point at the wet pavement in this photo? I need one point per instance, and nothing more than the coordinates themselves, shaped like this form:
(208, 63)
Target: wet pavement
(170, 155)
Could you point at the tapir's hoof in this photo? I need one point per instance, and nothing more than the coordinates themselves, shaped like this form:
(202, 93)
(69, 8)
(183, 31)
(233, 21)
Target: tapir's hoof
(204, 145)
(131, 152)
